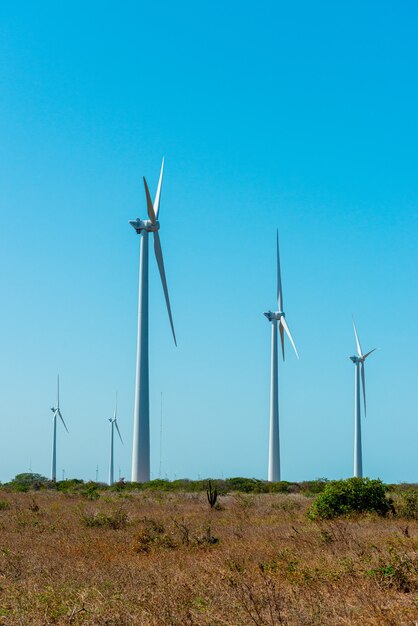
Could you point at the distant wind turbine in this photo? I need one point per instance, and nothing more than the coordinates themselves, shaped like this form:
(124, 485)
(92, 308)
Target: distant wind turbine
(276, 318)
(57, 412)
(359, 365)
(141, 434)
(113, 424)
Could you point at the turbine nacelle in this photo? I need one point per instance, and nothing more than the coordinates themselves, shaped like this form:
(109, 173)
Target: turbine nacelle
(147, 225)
(356, 359)
(274, 315)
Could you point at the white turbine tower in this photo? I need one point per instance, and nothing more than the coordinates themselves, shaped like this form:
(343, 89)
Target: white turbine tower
(359, 364)
(276, 318)
(57, 412)
(141, 437)
(113, 425)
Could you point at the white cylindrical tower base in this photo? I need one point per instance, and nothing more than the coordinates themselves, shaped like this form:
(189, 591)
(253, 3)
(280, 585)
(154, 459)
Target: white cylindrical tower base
(111, 455)
(274, 441)
(358, 460)
(54, 449)
(141, 437)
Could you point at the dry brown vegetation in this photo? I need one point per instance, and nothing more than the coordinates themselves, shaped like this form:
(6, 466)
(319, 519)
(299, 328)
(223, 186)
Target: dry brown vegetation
(167, 558)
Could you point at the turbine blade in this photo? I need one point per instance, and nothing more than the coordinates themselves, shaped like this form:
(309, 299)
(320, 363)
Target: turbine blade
(160, 262)
(279, 278)
(58, 389)
(150, 208)
(158, 194)
(286, 327)
(116, 406)
(363, 384)
(62, 420)
(281, 329)
(366, 355)
(117, 428)
(359, 352)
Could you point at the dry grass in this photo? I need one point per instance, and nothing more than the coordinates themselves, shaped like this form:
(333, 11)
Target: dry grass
(150, 558)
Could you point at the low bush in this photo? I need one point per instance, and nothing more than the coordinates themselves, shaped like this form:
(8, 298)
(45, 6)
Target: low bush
(313, 487)
(406, 505)
(70, 485)
(247, 485)
(115, 520)
(120, 485)
(354, 495)
(287, 503)
(398, 572)
(280, 487)
(27, 480)
(153, 535)
(90, 491)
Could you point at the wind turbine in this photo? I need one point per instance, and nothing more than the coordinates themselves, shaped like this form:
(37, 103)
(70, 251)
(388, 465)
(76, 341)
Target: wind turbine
(113, 424)
(277, 318)
(57, 412)
(141, 437)
(359, 365)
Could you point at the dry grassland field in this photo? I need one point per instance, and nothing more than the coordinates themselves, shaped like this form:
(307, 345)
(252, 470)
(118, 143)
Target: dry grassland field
(156, 557)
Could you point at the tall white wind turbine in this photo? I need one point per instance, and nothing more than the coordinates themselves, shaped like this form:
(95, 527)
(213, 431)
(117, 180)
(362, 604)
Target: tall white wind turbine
(358, 361)
(113, 424)
(277, 318)
(57, 413)
(141, 436)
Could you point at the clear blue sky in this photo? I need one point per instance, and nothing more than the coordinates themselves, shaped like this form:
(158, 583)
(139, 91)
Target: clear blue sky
(301, 116)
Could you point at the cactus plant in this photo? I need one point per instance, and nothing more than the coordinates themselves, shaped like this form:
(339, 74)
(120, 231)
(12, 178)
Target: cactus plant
(212, 495)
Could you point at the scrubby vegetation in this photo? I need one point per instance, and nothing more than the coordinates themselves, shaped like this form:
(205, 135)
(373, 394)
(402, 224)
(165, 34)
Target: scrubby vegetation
(354, 495)
(114, 519)
(24, 482)
(157, 554)
(406, 504)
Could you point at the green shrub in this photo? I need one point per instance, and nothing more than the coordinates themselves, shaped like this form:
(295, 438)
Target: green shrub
(4, 505)
(247, 485)
(120, 485)
(313, 487)
(28, 480)
(354, 495)
(402, 487)
(406, 505)
(280, 487)
(90, 491)
(157, 484)
(69, 485)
